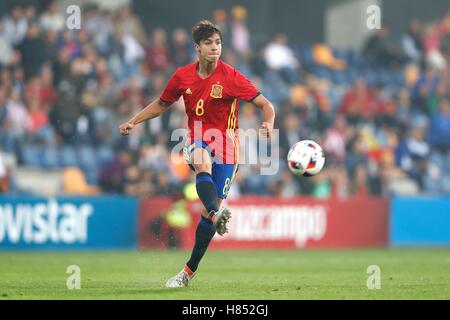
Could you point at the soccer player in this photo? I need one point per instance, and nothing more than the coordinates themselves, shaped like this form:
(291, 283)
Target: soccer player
(211, 91)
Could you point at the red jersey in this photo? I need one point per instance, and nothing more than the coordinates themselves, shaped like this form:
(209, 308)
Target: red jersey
(211, 105)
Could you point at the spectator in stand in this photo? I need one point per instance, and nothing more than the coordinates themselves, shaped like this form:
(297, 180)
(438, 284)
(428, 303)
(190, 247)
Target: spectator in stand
(320, 93)
(51, 47)
(126, 23)
(356, 154)
(240, 37)
(359, 183)
(323, 55)
(40, 129)
(3, 114)
(181, 49)
(92, 18)
(16, 124)
(439, 129)
(112, 178)
(68, 108)
(423, 89)
(6, 49)
(106, 90)
(357, 104)
(412, 42)
(292, 132)
(29, 11)
(4, 179)
(15, 25)
(434, 33)
(335, 141)
(32, 49)
(380, 52)
(52, 18)
(164, 184)
(220, 19)
(41, 88)
(280, 57)
(6, 79)
(413, 153)
(133, 184)
(157, 52)
(18, 78)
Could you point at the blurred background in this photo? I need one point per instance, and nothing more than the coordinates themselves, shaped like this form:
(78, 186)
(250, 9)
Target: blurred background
(376, 100)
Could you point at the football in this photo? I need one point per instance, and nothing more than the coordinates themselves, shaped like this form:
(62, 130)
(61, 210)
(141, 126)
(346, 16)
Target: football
(306, 158)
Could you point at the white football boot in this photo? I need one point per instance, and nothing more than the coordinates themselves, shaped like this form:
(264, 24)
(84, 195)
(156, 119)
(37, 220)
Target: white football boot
(179, 281)
(221, 219)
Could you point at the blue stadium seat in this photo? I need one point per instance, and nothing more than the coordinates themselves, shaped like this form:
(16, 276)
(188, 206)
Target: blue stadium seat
(340, 54)
(399, 78)
(104, 155)
(92, 175)
(305, 56)
(322, 72)
(352, 74)
(338, 77)
(31, 155)
(87, 157)
(371, 77)
(50, 157)
(67, 156)
(356, 59)
(384, 77)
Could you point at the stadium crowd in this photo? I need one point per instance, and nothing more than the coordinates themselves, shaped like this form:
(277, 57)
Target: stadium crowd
(382, 114)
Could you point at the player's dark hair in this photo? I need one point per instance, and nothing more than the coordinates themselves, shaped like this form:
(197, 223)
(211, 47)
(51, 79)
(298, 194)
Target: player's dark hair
(203, 30)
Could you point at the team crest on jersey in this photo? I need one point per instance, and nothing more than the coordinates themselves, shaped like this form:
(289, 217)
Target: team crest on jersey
(216, 91)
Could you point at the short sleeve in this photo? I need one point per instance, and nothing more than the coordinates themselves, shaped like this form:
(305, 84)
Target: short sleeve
(172, 92)
(242, 87)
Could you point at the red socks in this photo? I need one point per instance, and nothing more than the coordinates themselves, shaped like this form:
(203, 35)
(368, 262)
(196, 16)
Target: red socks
(189, 271)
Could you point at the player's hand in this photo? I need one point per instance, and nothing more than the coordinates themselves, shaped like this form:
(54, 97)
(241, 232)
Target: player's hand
(266, 130)
(125, 128)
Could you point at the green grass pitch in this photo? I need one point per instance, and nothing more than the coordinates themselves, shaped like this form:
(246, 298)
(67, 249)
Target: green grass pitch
(406, 273)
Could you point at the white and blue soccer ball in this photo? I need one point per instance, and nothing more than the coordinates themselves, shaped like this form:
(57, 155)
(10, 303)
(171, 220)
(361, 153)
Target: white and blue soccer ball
(306, 158)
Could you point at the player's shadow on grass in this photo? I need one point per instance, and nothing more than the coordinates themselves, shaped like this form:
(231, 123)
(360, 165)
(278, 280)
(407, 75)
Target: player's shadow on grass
(162, 291)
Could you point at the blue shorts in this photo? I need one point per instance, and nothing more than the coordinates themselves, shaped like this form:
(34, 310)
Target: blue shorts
(222, 174)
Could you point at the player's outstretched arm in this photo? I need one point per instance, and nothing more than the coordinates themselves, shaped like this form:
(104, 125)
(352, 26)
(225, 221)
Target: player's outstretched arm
(268, 115)
(151, 111)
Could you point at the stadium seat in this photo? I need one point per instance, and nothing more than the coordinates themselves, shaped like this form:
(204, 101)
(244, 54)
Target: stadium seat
(50, 157)
(340, 54)
(385, 77)
(74, 182)
(67, 156)
(92, 175)
(104, 155)
(371, 77)
(339, 77)
(87, 157)
(356, 59)
(322, 72)
(399, 78)
(31, 155)
(305, 56)
(351, 75)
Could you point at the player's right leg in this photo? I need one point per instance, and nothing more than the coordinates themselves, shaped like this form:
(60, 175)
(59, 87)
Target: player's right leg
(207, 190)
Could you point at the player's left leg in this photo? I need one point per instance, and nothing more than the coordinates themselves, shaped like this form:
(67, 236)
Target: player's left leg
(203, 235)
(223, 176)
